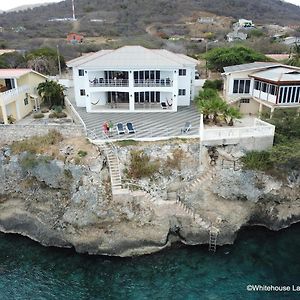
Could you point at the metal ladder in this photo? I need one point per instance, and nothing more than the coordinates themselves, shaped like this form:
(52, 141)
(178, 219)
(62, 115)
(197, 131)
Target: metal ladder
(213, 235)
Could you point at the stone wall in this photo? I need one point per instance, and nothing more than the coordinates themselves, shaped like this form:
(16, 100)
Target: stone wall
(14, 132)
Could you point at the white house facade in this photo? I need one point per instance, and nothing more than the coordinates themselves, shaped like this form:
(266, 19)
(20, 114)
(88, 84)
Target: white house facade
(133, 79)
(256, 86)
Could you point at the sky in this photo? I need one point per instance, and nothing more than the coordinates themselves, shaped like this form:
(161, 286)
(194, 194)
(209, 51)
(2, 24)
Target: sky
(5, 5)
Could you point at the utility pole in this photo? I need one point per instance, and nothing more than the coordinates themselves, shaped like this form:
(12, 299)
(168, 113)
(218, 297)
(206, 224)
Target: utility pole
(58, 60)
(73, 9)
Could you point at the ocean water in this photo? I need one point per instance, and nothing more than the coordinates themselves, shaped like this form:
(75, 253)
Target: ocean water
(259, 256)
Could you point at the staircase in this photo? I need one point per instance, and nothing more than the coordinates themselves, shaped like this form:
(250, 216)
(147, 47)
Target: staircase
(213, 235)
(110, 151)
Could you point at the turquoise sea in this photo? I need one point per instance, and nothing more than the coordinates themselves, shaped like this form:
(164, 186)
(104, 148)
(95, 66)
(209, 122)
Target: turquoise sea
(259, 256)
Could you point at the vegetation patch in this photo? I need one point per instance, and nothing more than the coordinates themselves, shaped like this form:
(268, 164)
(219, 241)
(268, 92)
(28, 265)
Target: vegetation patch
(284, 156)
(175, 161)
(37, 144)
(141, 165)
(38, 116)
(125, 143)
(82, 153)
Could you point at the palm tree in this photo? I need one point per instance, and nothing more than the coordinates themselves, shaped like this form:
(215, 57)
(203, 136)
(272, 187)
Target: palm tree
(232, 113)
(52, 93)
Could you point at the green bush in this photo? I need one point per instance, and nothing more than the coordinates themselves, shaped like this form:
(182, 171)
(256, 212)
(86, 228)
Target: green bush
(141, 166)
(257, 160)
(216, 84)
(82, 153)
(38, 116)
(57, 109)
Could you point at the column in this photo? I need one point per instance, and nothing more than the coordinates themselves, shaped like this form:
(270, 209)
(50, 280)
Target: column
(131, 90)
(175, 90)
(4, 114)
(260, 110)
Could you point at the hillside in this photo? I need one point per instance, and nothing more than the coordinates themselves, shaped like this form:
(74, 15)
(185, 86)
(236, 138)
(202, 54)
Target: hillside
(127, 21)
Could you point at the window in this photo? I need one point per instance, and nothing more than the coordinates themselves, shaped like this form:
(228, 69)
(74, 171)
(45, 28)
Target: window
(272, 89)
(256, 85)
(264, 87)
(26, 101)
(182, 72)
(245, 101)
(81, 72)
(235, 86)
(241, 86)
(82, 92)
(181, 92)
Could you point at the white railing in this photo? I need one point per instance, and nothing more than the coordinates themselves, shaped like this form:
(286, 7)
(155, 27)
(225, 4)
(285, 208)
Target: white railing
(153, 82)
(70, 107)
(14, 92)
(259, 129)
(101, 82)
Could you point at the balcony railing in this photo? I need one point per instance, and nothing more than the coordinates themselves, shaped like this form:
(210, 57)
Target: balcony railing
(7, 95)
(101, 82)
(153, 82)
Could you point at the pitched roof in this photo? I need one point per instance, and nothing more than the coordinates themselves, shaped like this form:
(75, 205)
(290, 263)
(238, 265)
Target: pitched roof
(282, 74)
(250, 66)
(133, 57)
(17, 73)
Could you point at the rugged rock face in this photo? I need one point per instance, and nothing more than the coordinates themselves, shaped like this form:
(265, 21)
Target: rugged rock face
(59, 203)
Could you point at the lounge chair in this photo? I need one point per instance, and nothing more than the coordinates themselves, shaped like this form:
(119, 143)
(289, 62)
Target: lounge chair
(130, 127)
(187, 127)
(120, 128)
(163, 105)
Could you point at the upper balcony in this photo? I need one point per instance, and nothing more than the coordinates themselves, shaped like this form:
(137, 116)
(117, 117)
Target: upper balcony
(167, 82)
(101, 82)
(9, 95)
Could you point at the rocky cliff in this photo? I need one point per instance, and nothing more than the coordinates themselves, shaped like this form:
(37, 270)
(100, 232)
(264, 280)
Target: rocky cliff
(66, 203)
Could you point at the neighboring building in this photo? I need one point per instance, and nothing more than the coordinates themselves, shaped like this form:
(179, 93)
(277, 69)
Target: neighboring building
(262, 85)
(4, 51)
(206, 20)
(18, 95)
(291, 41)
(1, 29)
(245, 23)
(74, 38)
(236, 36)
(133, 78)
(278, 57)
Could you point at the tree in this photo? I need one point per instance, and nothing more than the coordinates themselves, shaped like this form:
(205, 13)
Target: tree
(210, 104)
(12, 60)
(294, 59)
(218, 58)
(45, 60)
(232, 113)
(52, 93)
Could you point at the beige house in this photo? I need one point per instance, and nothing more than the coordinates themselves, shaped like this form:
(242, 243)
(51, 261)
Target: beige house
(18, 95)
(259, 86)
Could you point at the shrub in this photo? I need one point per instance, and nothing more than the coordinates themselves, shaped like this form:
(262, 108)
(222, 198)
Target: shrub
(45, 110)
(57, 109)
(57, 115)
(141, 166)
(216, 84)
(38, 116)
(257, 160)
(82, 153)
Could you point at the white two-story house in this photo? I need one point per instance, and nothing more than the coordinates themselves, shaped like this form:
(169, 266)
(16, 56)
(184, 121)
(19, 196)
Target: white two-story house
(133, 79)
(262, 86)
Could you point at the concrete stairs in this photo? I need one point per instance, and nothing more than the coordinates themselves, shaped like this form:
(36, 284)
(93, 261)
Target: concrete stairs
(113, 165)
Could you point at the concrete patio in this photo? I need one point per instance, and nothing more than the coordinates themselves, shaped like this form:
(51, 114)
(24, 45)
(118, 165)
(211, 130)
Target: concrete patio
(160, 125)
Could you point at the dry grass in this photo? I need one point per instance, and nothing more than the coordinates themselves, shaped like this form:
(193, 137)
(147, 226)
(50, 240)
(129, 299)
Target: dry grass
(37, 144)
